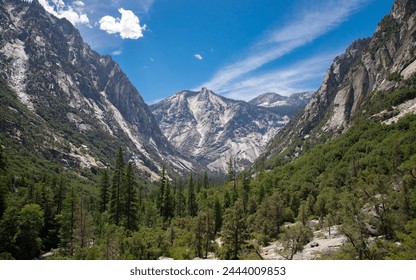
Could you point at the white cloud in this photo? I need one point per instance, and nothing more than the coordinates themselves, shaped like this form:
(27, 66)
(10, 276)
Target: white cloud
(128, 26)
(73, 13)
(303, 29)
(146, 5)
(116, 53)
(79, 3)
(285, 81)
(198, 56)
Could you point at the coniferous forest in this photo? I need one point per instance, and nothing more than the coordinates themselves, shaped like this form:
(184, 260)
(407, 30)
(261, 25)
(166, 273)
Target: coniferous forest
(86, 173)
(364, 182)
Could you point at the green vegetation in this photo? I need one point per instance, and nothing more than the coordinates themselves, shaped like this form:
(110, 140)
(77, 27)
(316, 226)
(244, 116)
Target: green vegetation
(364, 181)
(388, 28)
(394, 76)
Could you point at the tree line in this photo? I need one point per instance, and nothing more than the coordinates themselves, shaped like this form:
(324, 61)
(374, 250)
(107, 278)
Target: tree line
(364, 182)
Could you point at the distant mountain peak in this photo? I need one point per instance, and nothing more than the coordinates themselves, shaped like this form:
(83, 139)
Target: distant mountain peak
(272, 99)
(212, 129)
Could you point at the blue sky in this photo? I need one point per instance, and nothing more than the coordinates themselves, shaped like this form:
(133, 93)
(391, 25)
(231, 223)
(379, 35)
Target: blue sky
(237, 48)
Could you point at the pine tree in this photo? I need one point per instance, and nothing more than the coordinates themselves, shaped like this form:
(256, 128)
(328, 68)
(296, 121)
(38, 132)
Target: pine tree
(198, 231)
(130, 199)
(245, 192)
(82, 232)
(231, 171)
(198, 185)
(234, 231)
(2, 159)
(104, 189)
(204, 232)
(3, 193)
(180, 202)
(270, 216)
(227, 199)
(66, 220)
(217, 214)
(167, 204)
(293, 239)
(117, 190)
(3, 185)
(44, 197)
(209, 231)
(60, 195)
(192, 206)
(162, 186)
(205, 181)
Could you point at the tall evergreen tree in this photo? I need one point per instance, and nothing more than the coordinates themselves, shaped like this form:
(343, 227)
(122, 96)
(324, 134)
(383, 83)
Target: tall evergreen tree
(44, 197)
(162, 185)
(117, 190)
(3, 185)
(180, 202)
(167, 204)
(131, 199)
(3, 193)
(2, 159)
(245, 191)
(82, 231)
(104, 191)
(66, 220)
(227, 199)
(217, 214)
(205, 181)
(231, 171)
(234, 231)
(204, 232)
(60, 195)
(192, 205)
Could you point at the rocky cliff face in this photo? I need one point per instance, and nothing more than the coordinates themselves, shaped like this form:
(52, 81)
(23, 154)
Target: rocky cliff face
(273, 100)
(283, 105)
(378, 64)
(212, 129)
(79, 93)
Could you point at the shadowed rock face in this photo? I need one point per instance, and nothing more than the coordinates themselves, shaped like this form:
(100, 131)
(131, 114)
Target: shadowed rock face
(57, 75)
(368, 66)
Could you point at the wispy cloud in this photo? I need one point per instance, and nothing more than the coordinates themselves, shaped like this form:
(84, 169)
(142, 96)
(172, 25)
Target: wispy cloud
(116, 53)
(308, 25)
(146, 5)
(285, 81)
(198, 56)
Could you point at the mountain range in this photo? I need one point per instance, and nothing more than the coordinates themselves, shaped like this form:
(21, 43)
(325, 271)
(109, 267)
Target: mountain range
(89, 107)
(272, 99)
(213, 130)
(368, 68)
(87, 104)
(336, 178)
